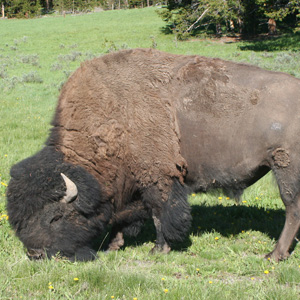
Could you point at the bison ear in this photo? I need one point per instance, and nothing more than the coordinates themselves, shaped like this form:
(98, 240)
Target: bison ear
(71, 190)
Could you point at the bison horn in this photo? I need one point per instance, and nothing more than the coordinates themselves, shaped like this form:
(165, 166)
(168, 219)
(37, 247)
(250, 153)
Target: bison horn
(71, 191)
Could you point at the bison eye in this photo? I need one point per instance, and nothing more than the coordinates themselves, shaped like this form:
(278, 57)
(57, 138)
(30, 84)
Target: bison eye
(55, 218)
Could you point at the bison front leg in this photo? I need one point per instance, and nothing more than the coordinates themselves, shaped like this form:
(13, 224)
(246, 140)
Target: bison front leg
(117, 240)
(161, 244)
(172, 218)
(290, 229)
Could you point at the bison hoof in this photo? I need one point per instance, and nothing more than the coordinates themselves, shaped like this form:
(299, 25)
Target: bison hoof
(275, 256)
(161, 249)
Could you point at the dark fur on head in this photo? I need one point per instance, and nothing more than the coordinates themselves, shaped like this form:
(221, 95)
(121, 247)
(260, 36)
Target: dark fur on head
(41, 220)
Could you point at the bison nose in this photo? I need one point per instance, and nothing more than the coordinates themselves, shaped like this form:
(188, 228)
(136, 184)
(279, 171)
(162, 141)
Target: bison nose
(36, 254)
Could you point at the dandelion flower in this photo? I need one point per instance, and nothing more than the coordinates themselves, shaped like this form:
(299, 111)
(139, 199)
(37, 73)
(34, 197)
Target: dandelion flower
(51, 287)
(197, 269)
(3, 183)
(4, 217)
(135, 299)
(252, 278)
(76, 279)
(166, 290)
(194, 195)
(220, 198)
(210, 282)
(112, 297)
(163, 279)
(216, 238)
(244, 201)
(266, 272)
(227, 198)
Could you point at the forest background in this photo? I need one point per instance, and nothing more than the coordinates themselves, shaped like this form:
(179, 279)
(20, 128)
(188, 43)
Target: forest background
(185, 18)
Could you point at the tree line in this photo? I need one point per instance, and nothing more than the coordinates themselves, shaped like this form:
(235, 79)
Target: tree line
(33, 8)
(183, 17)
(249, 17)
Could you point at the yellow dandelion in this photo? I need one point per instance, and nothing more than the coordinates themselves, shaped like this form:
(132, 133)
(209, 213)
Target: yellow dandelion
(194, 195)
(4, 217)
(5, 155)
(210, 282)
(163, 279)
(3, 183)
(166, 290)
(51, 287)
(197, 269)
(216, 238)
(252, 278)
(244, 201)
(112, 297)
(76, 279)
(266, 272)
(135, 299)
(227, 198)
(256, 198)
(243, 231)
(220, 198)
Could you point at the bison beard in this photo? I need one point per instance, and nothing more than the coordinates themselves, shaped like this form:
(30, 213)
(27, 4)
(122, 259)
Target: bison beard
(135, 131)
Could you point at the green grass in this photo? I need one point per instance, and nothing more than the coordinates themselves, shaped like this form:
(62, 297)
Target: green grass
(223, 256)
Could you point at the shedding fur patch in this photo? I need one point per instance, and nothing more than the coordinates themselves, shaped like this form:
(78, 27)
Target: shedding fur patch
(281, 158)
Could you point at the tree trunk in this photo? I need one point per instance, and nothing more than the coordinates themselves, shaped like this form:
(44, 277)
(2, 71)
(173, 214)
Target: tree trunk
(47, 5)
(2, 10)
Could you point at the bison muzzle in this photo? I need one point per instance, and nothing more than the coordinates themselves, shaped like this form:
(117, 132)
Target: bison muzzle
(136, 131)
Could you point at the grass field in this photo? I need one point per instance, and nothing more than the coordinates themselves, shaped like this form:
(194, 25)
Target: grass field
(223, 257)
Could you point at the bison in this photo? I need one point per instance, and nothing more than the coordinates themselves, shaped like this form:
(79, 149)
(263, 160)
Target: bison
(138, 130)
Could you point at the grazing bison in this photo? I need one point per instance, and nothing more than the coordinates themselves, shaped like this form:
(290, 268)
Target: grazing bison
(136, 131)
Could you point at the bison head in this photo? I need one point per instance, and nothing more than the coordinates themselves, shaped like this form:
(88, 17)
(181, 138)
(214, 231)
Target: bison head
(56, 207)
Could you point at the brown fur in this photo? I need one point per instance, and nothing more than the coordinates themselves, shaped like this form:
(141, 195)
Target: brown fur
(122, 131)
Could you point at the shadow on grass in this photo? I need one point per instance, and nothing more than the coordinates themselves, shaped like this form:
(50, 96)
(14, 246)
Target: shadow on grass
(226, 220)
(276, 43)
